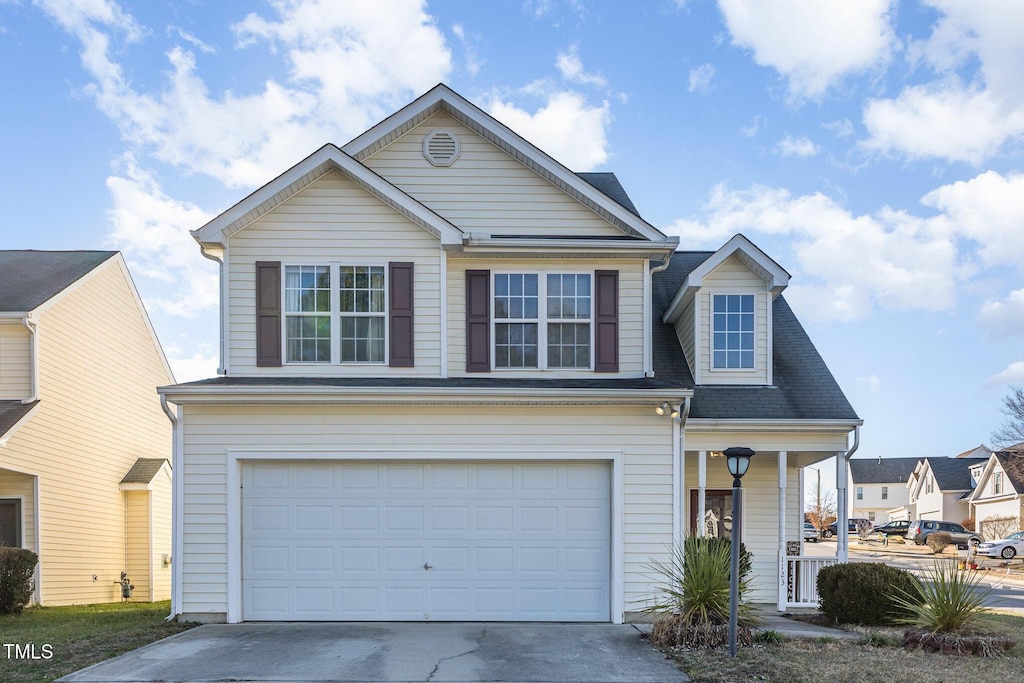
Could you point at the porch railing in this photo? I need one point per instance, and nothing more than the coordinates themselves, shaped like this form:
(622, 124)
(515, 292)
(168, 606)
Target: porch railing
(802, 579)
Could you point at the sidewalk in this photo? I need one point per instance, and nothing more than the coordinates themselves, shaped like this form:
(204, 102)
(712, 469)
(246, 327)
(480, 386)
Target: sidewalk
(793, 628)
(994, 568)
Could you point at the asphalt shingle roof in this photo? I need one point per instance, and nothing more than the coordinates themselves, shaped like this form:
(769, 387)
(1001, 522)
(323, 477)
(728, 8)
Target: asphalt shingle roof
(883, 470)
(610, 186)
(1012, 463)
(29, 278)
(143, 471)
(953, 474)
(11, 412)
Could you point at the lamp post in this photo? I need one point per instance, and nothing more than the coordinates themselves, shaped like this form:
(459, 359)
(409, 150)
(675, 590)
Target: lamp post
(738, 460)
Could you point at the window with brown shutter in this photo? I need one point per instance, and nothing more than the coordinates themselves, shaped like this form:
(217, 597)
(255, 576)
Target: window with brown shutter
(478, 321)
(400, 315)
(606, 321)
(268, 313)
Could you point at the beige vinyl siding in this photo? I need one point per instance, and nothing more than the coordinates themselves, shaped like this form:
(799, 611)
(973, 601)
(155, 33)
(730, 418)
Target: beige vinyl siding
(333, 220)
(99, 412)
(644, 439)
(137, 552)
(684, 327)
(631, 309)
(160, 544)
(484, 190)
(734, 277)
(17, 485)
(15, 362)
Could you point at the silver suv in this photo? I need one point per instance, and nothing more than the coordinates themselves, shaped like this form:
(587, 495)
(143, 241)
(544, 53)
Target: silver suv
(921, 529)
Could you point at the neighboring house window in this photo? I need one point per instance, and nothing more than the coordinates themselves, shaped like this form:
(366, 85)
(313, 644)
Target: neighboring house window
(997, 483)
(310, 309)
(885, 493)
(929, 484)
(871, 515)
(860, 493)
(733, 331)
(542, 320)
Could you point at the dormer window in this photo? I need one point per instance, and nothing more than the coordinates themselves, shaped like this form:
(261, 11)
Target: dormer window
(733, 331)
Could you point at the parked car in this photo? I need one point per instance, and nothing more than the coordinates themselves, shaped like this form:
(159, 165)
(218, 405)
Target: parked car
(896, 527)
(920, 529)
(1007, 548)
(810, 533)
(833, 528)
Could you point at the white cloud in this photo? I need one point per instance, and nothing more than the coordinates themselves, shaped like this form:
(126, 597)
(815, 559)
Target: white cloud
(200, 364)
(571, 68)
(700, 78)
(566, 127)
(1004, 318)
(812, 43)
(1012, 374)
(189, 38)
(755, 126)
(796, 147)
(472, 57)
(842, 128)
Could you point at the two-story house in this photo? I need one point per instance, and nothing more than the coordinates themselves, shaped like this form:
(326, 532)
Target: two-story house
(461, 382)
(940, 487)
(879, 485)
(84, 445)
(997, 502)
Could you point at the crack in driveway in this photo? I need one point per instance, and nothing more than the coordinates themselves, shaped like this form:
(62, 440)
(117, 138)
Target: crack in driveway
(479, 643)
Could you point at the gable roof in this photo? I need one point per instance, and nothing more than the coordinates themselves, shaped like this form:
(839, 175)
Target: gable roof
(882, 470)
(1012, 463)
(804, 388)
(953, 474)
(610, 186)
(30, 278)
(441, 98)
(143, 471)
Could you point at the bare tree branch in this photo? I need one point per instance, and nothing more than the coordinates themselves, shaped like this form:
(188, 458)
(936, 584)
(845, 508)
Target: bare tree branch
(1011, 432)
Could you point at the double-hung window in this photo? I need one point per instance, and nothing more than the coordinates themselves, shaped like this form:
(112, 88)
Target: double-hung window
(885, 493)
(543, 320)
(997, 483)
(733, 331)
(334, 314)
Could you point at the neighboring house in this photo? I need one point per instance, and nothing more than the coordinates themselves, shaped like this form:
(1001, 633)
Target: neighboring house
(461, 382)
(940, 487)
(84, 477)
(879, 485)
(997, 502)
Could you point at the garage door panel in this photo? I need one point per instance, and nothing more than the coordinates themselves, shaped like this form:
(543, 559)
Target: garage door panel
(507, 541)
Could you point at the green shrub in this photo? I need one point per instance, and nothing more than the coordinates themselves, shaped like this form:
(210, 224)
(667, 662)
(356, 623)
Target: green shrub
(938, 541)
(865, 593)
(692, 606)
(16, 567)
(947, 601)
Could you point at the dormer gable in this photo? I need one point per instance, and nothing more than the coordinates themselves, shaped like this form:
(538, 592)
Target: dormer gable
(1003, 475)
(722, 315)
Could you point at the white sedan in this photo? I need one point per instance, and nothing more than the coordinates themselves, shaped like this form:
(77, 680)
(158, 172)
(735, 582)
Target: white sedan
(1007, 548)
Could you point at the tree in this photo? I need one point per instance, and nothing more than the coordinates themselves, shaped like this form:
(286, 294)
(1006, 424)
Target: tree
(821, 506)
(1011, 432)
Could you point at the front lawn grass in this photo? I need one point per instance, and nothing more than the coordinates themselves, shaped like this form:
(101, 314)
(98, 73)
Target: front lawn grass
(877, 658)
(77, 636)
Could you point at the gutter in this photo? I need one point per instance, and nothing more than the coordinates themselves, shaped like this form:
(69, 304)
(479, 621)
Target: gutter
(220, 268)
(842, 502)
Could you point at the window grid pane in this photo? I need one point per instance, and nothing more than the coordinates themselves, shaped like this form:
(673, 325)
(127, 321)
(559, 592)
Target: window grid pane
(515, 345)
(733, 331)
(307, 292)
(362, 289)
(362, 339)
(308, 338)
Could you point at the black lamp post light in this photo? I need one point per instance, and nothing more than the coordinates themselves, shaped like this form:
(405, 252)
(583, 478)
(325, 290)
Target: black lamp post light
(738, 460)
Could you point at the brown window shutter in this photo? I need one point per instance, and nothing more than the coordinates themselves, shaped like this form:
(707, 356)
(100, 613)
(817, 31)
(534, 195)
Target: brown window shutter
(400, 318)
(268, 314)
(478, 321)
(606, 321)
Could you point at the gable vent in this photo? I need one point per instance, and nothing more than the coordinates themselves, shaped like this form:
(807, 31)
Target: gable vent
(441, 147)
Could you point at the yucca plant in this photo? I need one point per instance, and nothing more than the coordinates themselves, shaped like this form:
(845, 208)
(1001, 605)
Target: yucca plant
(692, 605)
(950, 601)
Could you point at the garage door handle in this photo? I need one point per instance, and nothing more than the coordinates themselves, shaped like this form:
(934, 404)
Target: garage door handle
(426, 567)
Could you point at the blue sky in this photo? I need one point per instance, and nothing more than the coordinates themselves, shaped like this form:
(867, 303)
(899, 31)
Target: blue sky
(873, 148)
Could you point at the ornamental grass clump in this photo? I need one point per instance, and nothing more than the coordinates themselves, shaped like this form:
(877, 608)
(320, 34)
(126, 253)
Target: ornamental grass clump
(692, 606)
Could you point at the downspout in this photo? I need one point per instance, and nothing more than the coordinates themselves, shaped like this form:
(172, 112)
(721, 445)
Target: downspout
(842, 495)
(684, 413)
(649, 315)
(33, 333)
(177, 513)
(220, 272)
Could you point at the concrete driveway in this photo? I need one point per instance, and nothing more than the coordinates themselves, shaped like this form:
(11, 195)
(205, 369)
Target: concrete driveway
(383, 652)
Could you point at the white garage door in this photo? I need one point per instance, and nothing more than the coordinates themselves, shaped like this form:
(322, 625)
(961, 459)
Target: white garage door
(411, 541)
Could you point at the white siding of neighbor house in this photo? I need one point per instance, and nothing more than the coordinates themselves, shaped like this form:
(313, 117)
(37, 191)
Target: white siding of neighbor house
(631, 309)
(941, 506)
(15, 362)
(1013, 508)
(333, 220)
(760, 513)
(898, 495)
(733, 277)
(485, 189)
(16, 485)
(99, 411)
(644, 440)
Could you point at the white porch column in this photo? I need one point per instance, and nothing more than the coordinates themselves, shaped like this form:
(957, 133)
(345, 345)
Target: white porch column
(842, 513)
(803, 505)
(782, 531)
(702, 482)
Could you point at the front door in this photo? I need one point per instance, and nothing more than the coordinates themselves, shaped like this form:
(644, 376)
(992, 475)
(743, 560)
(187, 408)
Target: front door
(717, 512)
(10, 523)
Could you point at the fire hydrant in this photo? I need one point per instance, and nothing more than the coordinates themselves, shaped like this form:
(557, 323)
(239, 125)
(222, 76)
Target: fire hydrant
(126, 586)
